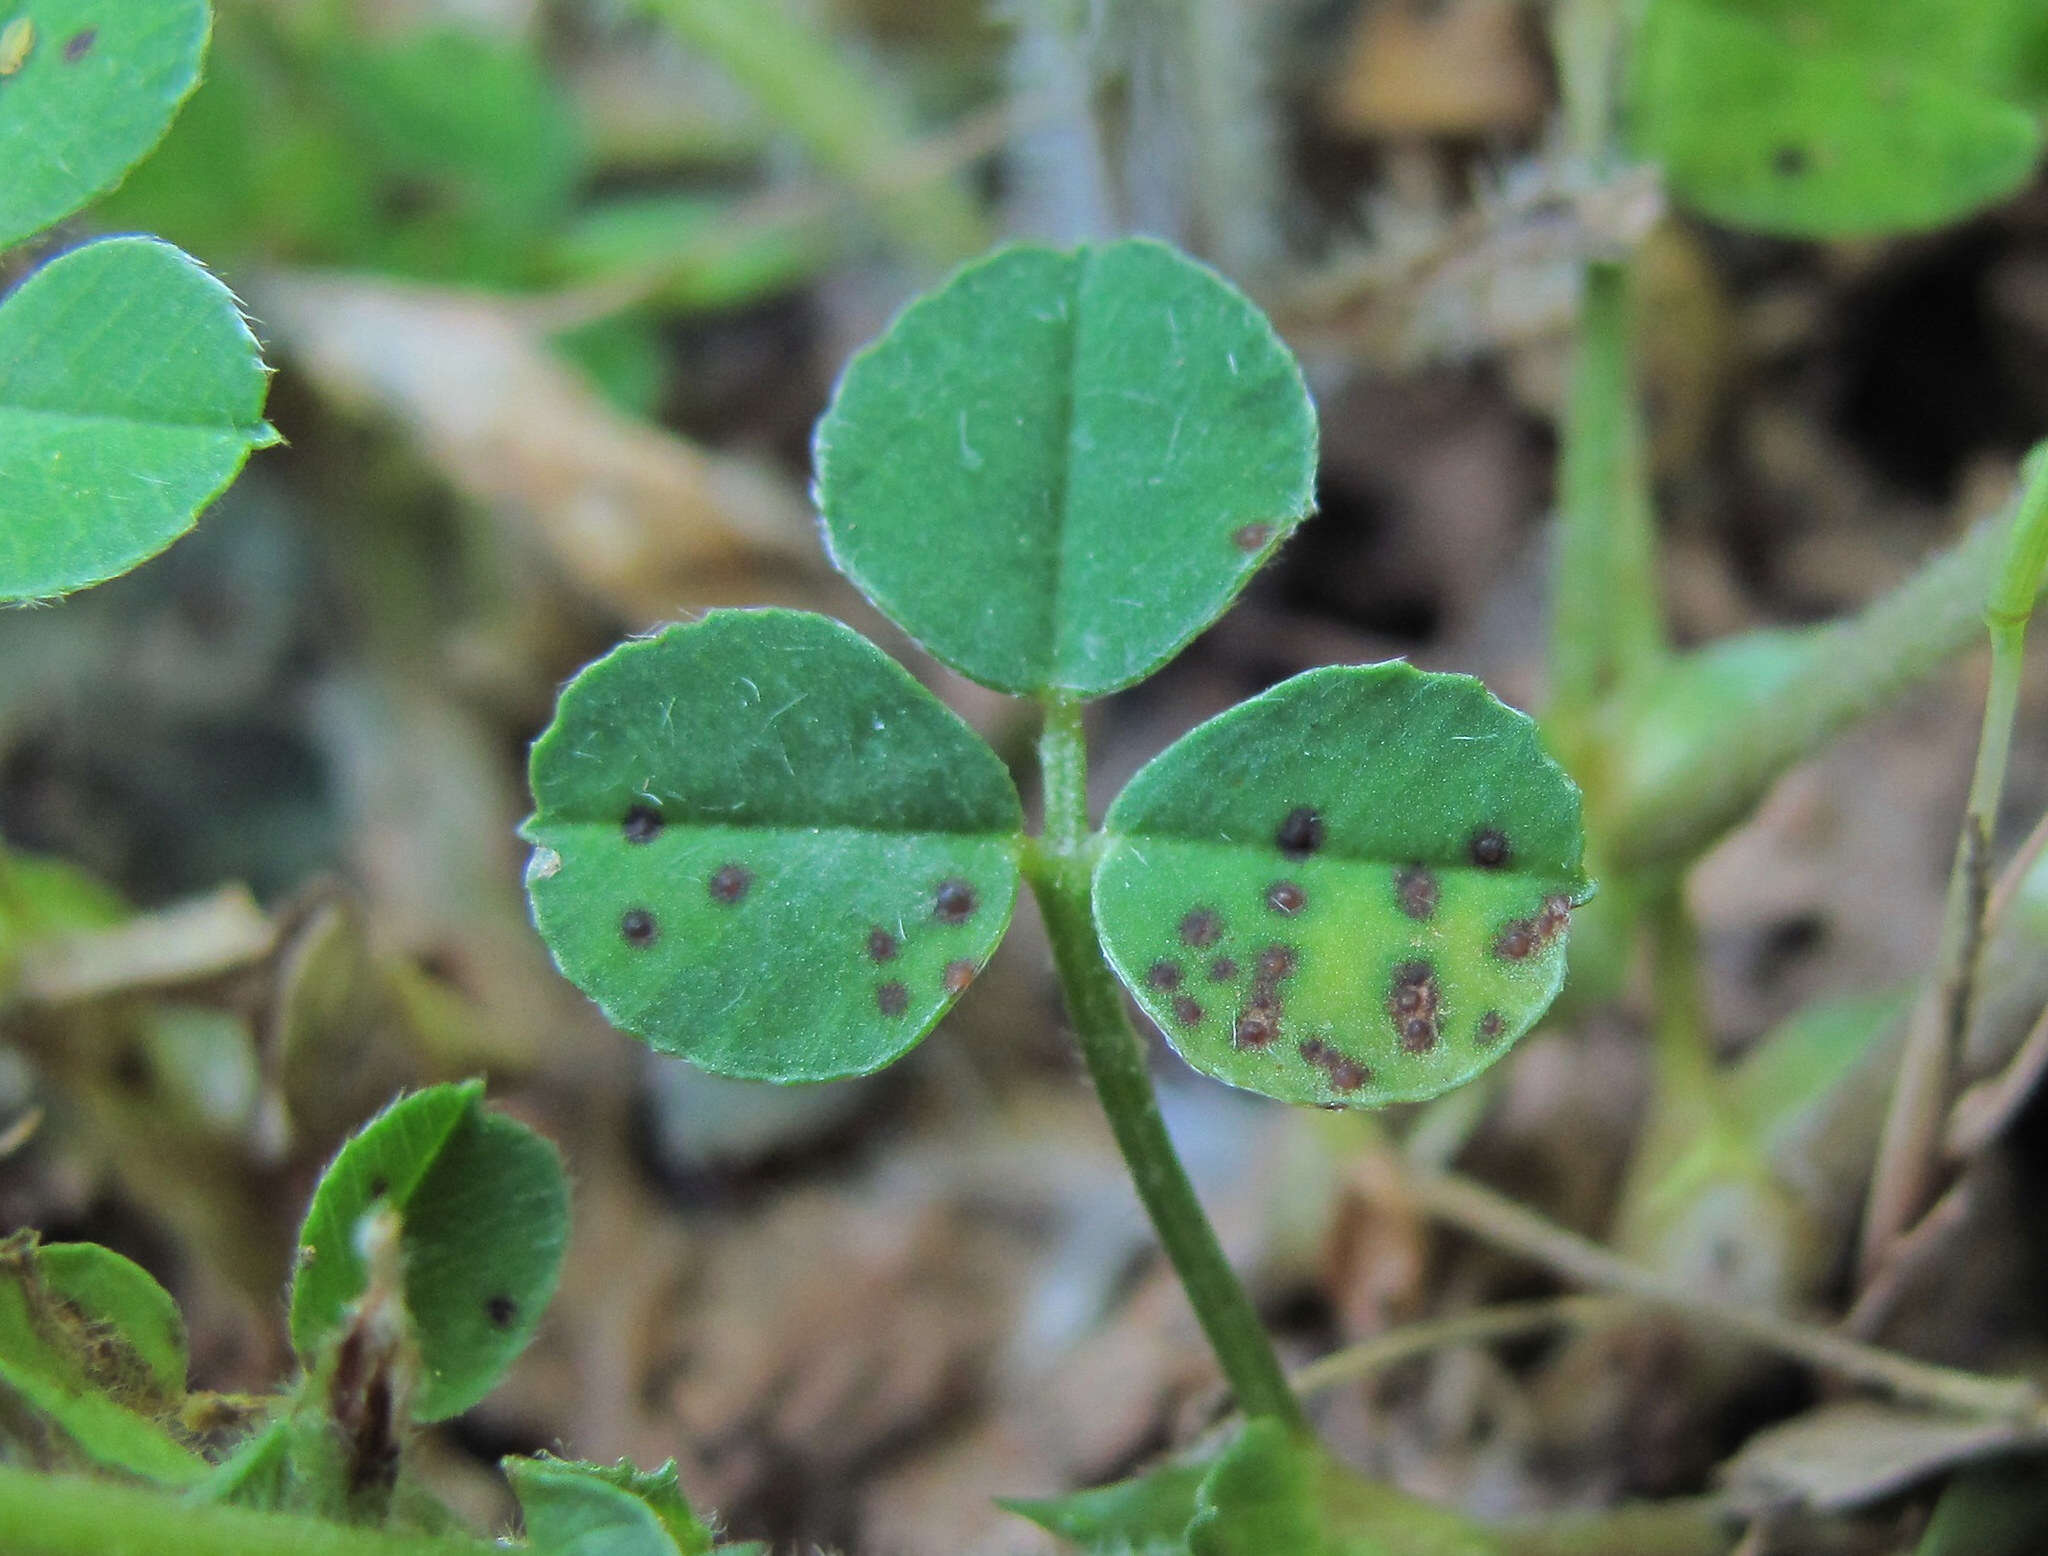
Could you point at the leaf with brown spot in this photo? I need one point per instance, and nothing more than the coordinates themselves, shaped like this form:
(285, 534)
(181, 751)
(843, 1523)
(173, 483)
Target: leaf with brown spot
(1416, 816)
(822, 815)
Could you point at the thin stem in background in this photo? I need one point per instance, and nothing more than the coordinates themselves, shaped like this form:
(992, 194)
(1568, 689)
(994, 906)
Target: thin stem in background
(1504, 1224)
(1909, 1170)
(1058, 868)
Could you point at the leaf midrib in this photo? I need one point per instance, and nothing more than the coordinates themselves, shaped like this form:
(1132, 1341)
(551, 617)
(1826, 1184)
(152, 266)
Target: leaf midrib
(245, 431)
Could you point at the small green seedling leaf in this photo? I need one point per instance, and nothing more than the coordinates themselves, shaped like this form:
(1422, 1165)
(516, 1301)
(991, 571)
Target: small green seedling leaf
(576, 1509)
(1271, 1493)
(67, 1351)
(92, 88)
(1832, 118)
(1146, 1516)
(484, 1207)
(759, 844)
(1058, 468)
(120, 1294)
(1351, 890)
(131, 391)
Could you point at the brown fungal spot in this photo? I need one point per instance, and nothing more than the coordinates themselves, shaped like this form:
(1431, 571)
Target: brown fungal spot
(1249, 538)
(1414, 1002)
(729, 883)
(955, 901)
(1164, 976)
(1301, 832)
(501, 1310)
(1521, 938)
(882, 945)
(79, 44)
(959, 975)
(1416, 890)
(1489, 848)
(1257, 1026)
(1490, 1027)
(892, 998)
(1342, 1071)
(638, 927)
(1276, 962)
(642, 824)
(1201, 929)
(1789, 161)
(379, 1187)
(1223, 969)
(1187, 1012)
(1284, 897)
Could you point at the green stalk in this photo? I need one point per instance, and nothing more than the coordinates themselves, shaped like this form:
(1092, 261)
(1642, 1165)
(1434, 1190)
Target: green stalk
(68, 1515)
(1606, 624)
(1058, 868)
(847, 121)
(1908, 1173)
(1677, 808)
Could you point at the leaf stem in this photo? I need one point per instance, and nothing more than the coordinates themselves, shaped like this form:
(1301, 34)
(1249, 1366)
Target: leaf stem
(1909, 1162)
(1058, 869)
(70, 1515)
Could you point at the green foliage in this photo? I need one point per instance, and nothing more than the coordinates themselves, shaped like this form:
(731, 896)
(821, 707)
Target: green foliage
(1354, 889)
(95, 90)
(484, 1208)
(1832, 118)
(1059, 467)
(605, 1510)
(131, 391)
(1145, 1516)
(761, 845)
(94, 1347)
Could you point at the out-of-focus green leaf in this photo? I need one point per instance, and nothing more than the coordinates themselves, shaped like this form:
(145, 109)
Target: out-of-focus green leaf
(1145, 1516)
(484, 1208)
(71, 1362)
(1990, 1510)
(95, 89)
(1799, 1063)
(692, 250)
(1353, 890)
(1059, 467)
(1275, 1495)
(131, 392)
(576, 1509)
(1827, 118)
(760, 845)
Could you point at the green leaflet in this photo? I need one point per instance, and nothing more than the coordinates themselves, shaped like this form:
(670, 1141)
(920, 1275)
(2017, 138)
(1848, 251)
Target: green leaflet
(1144, 1516)
(760, 845)
(484, 1207)
(1833, 118)
(576, 1509)
(1352, 890)
(130, 394)
(96, 89)
(1058, 468)
(92, 1344)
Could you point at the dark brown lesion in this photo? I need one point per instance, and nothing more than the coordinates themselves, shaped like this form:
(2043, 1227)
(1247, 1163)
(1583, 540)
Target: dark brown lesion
(1490, 1027)
(1415, 1004)
(1201, 928)
(892, 998)
(637, 927)
(954, 901)
(1250, 538)
(729, 883)
(1489, 848)
(1301, 832)
(1258, 1023)
(1164, 975)
(958, 976)
(1521, 938)
(1417, 891)
(642, 824)
(1343, 1072)
(882, 946)
(1187, 1011)
(1286, 898)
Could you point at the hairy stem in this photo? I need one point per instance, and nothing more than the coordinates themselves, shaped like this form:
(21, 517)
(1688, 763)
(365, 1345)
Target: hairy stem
(1676, 810)
(1909, 1166)
(1058, 869)
(68, 1515)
